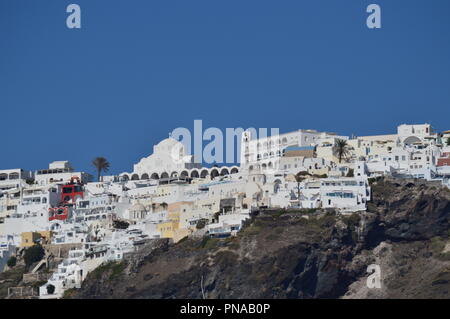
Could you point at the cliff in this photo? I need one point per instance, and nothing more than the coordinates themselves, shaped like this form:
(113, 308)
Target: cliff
(302, 254)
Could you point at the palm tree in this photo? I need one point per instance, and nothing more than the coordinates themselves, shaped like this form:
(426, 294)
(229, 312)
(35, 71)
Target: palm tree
(341, 149)
(101, 164)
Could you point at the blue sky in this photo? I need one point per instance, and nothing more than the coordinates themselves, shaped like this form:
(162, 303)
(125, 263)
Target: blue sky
(138, 69)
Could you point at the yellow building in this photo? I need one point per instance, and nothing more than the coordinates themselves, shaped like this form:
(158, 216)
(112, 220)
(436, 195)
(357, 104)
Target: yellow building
(167, 229)
(171, 227)
(28, 239)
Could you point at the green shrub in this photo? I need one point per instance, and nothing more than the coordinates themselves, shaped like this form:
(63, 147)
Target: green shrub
(120, 224)
(375, 179)
(117, 269)
(351, 172)
(209, 243)
(33, 254)
(182, 240)
(201, 224)
(69, 293)
(252, 229)
(12, 261)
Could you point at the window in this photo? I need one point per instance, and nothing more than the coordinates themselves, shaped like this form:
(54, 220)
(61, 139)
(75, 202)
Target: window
(68, 190)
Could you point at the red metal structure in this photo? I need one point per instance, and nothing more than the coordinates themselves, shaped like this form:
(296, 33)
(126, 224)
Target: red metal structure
(69, 194)
(58, 213)
(71, 191)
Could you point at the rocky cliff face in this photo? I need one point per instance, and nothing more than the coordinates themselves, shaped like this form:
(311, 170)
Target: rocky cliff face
(302, 254)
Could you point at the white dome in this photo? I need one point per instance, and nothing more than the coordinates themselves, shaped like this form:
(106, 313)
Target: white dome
(168, 144)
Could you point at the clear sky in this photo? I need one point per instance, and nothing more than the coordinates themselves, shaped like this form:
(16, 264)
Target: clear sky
(138, 69)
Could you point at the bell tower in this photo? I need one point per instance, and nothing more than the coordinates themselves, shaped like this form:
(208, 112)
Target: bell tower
(245, 147)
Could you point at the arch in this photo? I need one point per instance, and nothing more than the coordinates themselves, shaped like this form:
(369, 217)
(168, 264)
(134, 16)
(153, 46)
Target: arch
(184, 174)
(264, 166)
(250, 169)
(135, 177)
(224, 171)
(125, 177)
(214, 173)
(234, 170)
(164, 175)
(144, 176)
(154, 176)
(204, 173)
(3, 177)
(411, 140)
(174, 174)
(194, 174)
(284, 140)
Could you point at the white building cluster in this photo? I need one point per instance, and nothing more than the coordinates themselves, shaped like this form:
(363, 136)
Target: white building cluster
(168, 195)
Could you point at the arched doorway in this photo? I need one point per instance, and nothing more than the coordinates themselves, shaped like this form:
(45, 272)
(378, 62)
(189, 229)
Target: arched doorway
(204, 173)
(164, 175)
(184, 174)
(194, 174)
(214, 173)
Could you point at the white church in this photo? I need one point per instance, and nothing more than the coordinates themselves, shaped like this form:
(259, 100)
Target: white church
(169, 160)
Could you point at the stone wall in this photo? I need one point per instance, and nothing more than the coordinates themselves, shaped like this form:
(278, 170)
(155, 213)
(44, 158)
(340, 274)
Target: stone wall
(61, 250)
